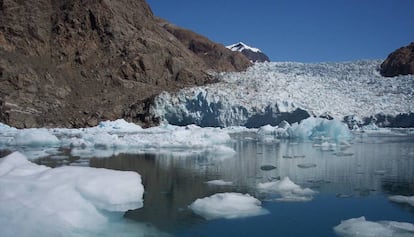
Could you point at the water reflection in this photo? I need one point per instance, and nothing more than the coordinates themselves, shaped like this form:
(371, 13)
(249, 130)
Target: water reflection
(369, 166)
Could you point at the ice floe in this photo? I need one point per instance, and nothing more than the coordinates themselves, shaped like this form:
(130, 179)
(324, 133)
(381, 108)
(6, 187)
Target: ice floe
(402, 199)
(360, 227)
(286, 190)
(41, 201)
(228, 206)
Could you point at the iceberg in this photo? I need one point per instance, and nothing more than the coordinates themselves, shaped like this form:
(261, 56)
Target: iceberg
(360, 227)
(287, 190)
(34, 137)
(40, 201)
(309, 128)
(228, 206)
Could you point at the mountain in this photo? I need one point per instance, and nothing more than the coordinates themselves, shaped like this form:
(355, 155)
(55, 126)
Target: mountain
(253, 54)
(214, 55)
(75, 63)
(399, 62)
(353, 92)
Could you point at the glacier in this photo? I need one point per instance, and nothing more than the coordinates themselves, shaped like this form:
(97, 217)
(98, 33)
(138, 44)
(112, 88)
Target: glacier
(272, 92)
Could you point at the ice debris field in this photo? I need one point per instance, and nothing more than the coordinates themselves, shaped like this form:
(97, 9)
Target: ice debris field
(87, 201)
(114, 137)
(268, 93)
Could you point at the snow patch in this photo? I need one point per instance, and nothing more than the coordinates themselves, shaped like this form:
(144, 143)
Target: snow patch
(228, 206)
(242, 46)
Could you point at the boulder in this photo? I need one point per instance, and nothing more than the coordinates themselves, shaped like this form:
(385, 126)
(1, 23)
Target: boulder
(399, 62)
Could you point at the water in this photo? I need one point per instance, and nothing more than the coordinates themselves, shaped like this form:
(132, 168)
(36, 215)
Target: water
(351, 181)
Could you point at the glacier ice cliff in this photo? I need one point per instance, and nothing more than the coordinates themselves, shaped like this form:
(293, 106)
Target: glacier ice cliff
(272, 92)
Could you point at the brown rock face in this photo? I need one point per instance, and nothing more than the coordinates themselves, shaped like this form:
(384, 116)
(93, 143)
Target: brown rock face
(400, 62)
(75, 63)
(215, 56)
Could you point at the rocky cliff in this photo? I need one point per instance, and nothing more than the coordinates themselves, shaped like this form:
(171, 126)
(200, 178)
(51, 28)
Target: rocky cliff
(75, 63)
(399, 62)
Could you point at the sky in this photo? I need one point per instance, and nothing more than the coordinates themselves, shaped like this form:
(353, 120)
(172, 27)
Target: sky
(299, 30)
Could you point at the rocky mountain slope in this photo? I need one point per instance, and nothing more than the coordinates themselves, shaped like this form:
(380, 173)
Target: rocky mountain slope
(253, 54)
(399, 62)
(74, 63)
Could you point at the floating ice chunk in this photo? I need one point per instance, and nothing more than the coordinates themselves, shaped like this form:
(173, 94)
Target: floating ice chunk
(287, 190)
(319, 127)
(228, 206)
(360, 227)
(51, 202)
(34, 137)
(219, 182)
(119, 125)
(402, 199)
(280, 131)
(310, 128)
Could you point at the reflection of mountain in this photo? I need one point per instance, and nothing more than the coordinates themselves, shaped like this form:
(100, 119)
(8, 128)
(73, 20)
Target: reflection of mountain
(172, 183)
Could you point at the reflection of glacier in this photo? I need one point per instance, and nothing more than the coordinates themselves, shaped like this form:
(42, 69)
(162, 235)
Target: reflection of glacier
(174, 182)
(268, 93)
(358, 168)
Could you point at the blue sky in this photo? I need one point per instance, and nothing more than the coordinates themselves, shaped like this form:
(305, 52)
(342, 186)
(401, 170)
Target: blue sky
(299, 30)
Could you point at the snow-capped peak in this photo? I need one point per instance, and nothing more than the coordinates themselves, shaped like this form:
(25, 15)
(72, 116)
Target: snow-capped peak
(242, 46)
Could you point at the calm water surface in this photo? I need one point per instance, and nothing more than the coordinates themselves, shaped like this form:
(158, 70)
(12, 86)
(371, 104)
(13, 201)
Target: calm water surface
(351, 182)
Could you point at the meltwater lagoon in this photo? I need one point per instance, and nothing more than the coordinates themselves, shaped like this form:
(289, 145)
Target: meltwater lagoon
(315, 178)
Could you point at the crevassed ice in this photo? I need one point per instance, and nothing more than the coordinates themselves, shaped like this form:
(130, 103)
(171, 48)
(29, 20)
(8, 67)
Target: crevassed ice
(268, 93)
(40, 201)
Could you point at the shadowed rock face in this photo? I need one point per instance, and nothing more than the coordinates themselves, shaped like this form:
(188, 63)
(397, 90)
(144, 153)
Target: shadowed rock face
(400, 62)
(75, 63)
